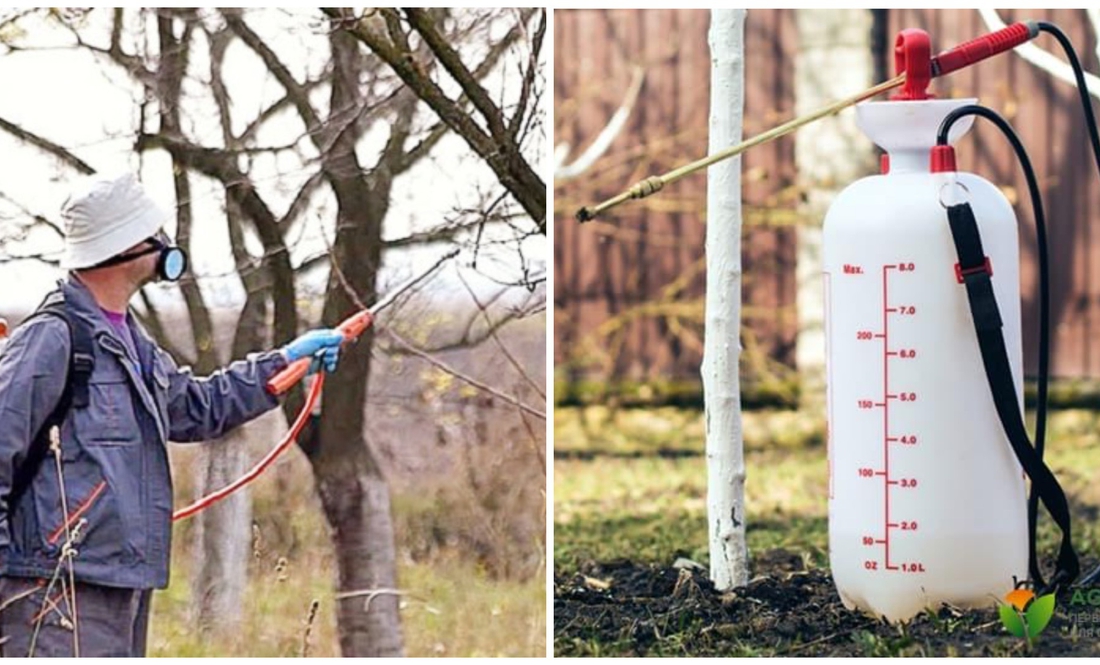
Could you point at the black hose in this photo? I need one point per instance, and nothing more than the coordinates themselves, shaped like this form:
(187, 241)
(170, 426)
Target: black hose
(1044, 296)
(1094, 138)
(1082, 86)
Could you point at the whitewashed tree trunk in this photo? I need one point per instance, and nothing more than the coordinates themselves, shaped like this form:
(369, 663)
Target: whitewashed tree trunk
(222, 536)
(722, 345)
(834, 59)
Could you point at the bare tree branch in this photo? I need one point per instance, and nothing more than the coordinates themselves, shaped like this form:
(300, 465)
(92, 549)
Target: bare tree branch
(46, 145)
(520, 369)
(295, 91)
(495, 148)
(439, 364)
(529, 76)
(604, 139)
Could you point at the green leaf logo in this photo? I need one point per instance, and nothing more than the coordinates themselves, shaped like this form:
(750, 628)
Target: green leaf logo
(1038, 614)
(1024, 615)
(1012, 621)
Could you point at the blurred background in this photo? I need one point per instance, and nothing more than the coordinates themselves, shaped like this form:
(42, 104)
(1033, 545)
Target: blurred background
(628, 292)
(311, 160)
(630, 472)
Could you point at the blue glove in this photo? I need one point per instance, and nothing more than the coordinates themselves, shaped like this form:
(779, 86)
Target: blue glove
(323, 343)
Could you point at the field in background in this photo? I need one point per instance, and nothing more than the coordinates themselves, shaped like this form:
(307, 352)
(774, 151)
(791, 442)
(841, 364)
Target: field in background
(630, 499)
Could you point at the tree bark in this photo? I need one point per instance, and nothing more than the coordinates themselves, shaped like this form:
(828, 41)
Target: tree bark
(722, 347)
(222, 537)
(354, 493)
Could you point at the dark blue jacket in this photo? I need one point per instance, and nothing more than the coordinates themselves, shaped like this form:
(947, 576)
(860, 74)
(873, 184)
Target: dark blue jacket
(113, 453)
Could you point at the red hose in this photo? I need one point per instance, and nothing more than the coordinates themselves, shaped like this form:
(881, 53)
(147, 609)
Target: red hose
(255, 471)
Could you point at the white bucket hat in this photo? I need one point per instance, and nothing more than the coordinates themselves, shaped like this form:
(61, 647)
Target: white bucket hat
(106, 216)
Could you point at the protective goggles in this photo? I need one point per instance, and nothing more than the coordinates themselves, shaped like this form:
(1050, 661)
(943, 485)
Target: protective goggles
(171, 264)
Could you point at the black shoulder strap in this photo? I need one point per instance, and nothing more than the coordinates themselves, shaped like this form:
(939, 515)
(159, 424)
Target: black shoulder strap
(974, 271)
(74, 395)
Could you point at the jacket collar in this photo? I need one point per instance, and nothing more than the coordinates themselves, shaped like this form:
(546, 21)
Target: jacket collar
(82, 303)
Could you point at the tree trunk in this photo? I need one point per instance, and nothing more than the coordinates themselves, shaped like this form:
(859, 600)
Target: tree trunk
(222, 537)
(834, 59)
(356, 500)
(224, 530)
(354, 493)
(722, 346)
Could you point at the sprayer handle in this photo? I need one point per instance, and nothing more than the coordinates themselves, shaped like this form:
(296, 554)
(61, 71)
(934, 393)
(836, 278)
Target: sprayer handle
(983, 47)
(352, 328)
(289, 376)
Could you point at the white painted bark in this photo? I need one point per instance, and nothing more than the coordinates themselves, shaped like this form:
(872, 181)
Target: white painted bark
(221, 538)
(722, 344)
(834, 58)
(223, 534)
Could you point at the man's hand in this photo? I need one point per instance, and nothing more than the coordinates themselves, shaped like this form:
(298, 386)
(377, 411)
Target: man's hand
(325, 342)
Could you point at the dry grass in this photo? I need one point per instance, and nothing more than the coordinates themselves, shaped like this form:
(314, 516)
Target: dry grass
(453, 606)
(468, 496)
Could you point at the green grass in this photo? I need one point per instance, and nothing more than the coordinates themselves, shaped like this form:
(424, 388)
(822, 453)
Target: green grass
(631, 484)
(631, 502)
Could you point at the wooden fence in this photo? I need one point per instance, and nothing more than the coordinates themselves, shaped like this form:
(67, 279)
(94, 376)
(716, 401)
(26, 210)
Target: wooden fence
(628, 290)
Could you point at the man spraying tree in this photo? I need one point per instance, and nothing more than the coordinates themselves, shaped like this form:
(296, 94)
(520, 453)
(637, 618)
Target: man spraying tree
(87, 403)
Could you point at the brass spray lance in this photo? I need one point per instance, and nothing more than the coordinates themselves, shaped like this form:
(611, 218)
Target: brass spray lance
(910, 51)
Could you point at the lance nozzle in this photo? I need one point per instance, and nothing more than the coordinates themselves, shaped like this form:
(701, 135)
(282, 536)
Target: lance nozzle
(352, 328)
(915, 68)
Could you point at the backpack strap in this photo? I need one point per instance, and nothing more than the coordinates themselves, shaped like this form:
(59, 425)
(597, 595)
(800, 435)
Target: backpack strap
(74, 395)
(974, 272)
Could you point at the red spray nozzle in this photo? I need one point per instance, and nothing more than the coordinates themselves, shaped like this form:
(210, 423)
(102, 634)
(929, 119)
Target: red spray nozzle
(912, 55)
(983, 47)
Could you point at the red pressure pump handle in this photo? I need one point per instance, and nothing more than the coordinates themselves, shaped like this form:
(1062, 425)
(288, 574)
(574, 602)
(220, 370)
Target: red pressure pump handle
(352, 327)
(913, 49)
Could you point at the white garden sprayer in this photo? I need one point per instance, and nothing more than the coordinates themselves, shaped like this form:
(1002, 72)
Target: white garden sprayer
(928, 452)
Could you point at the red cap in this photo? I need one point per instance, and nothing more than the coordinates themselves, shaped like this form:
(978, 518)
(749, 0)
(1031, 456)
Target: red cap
(913, 55)
(884, 163)
(943, 159)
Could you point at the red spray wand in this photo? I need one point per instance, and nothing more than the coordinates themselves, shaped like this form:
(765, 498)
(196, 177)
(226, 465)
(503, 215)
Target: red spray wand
(352, 327)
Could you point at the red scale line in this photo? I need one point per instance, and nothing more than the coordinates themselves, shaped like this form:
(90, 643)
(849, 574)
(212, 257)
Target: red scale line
(886, 412)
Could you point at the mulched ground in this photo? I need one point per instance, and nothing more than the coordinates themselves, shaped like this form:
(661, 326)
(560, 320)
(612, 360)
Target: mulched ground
(623, 608)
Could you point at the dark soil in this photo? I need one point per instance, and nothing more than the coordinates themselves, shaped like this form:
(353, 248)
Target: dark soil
(623, 608)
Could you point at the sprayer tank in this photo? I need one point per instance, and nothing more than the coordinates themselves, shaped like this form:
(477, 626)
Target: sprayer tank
(926, 500)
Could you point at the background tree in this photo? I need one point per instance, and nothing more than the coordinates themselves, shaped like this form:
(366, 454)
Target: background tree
(361, 120)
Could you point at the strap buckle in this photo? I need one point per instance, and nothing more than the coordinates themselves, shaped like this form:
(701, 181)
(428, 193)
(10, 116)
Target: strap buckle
(962, 273)
(83, 363)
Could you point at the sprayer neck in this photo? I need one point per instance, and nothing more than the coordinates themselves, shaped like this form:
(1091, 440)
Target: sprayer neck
(906, 130)
(910, 160)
